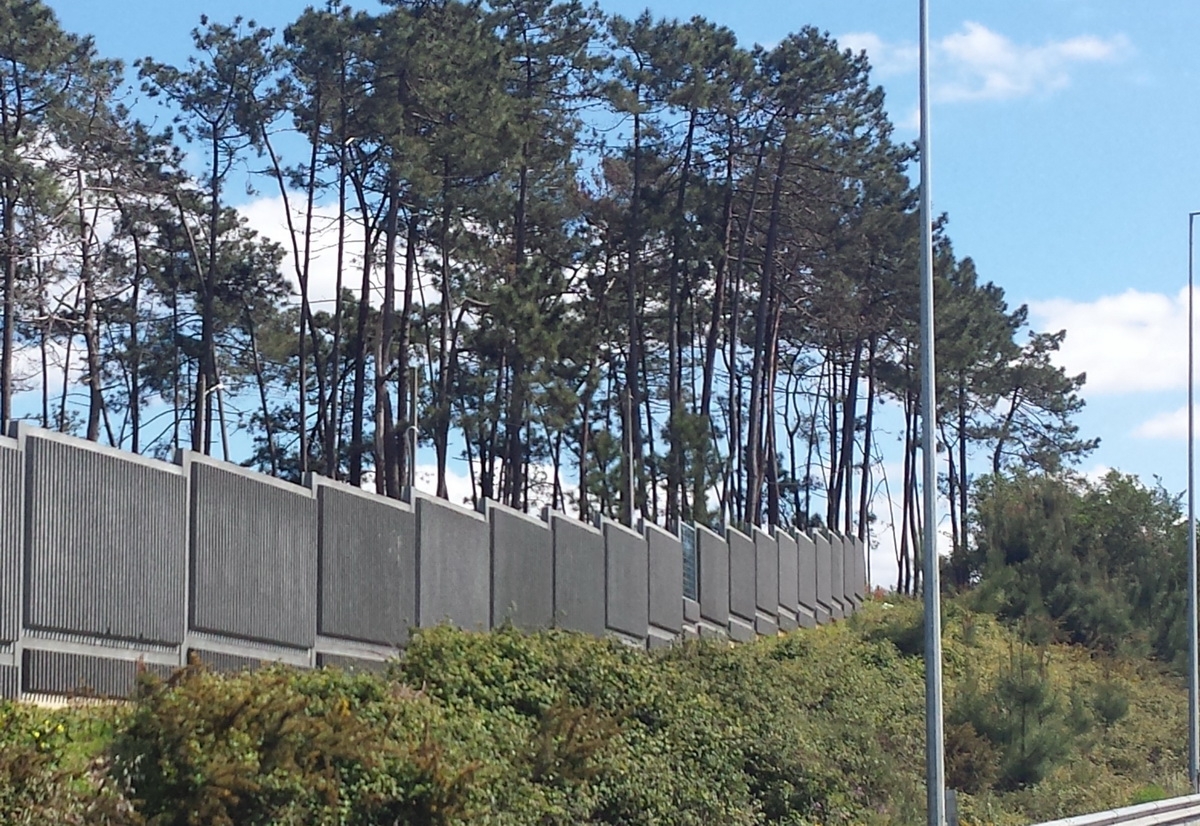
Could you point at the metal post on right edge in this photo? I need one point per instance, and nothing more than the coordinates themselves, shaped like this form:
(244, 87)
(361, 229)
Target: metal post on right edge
(935, 770)
(1193, 657)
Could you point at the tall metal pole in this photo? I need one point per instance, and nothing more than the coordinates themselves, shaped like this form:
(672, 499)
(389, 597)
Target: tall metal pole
(1193, 657)
(935, 769)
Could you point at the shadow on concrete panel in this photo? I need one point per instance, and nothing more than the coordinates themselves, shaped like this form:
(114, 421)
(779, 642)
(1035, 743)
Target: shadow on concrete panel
(824, 595)
(713, 554)
(806, 591)
(12, 508)
(789, 581)
(742, 582)
(107, 550)
(666, 583)
(367, 565)
(522, 569)
(837, 575)
(626, 581)
(578, 575)
(454, 568)
(254, 555)
(766, 582)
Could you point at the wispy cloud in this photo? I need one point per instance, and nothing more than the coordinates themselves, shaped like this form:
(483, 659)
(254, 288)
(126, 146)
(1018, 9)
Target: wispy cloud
(976, 63)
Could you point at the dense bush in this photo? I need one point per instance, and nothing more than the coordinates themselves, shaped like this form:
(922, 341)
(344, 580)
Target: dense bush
(556, 728)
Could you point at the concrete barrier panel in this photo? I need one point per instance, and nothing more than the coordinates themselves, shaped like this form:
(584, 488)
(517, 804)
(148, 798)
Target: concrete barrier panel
(12, 511)
(351, 664)
(55, 672)
(10, 682)
(713, 554)
(837, 574)
(789, 580)
(806, 566)
(666, 579)
(626, 581)
(522, 569)
(824, 606)
(578, 575)
(766, 588)
(742, 583)
(254, 555)
(454, 567)
(107, 534)
(742, 575)
(860, 579)
(367, 564)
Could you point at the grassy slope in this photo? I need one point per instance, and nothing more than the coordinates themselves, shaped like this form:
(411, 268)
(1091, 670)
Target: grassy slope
(816, 727)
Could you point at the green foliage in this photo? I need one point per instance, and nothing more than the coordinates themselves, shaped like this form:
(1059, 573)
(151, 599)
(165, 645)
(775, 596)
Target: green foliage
(509, 729)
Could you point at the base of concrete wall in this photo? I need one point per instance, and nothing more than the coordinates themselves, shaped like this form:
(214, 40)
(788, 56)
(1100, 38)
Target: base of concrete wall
(740, 631)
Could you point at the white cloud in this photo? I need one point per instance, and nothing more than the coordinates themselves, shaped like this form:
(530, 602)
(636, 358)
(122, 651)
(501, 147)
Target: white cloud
(977, 63)
(268, 217)
(1170, 425)
(1127, 343)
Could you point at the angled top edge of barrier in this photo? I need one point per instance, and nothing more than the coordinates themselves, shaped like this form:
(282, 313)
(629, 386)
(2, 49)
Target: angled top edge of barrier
(187, 458)
(647, 528)
(489, 506)
(604, 524)
(562, 516)
(1172, 810)
(438, 502)
(315, 482)
(23, 432)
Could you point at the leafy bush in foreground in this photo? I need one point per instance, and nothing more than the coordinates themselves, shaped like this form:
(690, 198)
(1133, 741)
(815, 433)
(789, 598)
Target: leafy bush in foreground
(508, 729)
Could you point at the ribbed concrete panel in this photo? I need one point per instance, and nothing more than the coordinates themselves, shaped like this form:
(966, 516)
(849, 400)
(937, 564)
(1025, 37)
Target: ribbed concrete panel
(742, 575)
(626, 581)
(806, 567)
(351, 664)
(12, 507)
(10, 682)
(714, 577)
(578, 575)
(254, 556)
(226, 663)
(454, 569)
(367, 565)
(789, 576)
(522, 569)
(860, 558)
(55, 672)
(837, 575)
(666, 579)
(824, 595)
(766, 566)
(107, 532)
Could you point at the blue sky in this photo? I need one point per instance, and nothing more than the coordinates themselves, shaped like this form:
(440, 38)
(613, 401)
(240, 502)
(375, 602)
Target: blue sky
(1064, 150)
